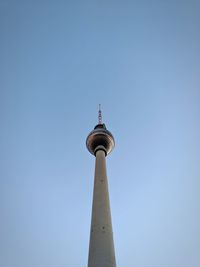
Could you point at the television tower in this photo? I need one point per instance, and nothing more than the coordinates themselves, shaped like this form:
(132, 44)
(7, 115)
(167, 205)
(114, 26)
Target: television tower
(100, 143)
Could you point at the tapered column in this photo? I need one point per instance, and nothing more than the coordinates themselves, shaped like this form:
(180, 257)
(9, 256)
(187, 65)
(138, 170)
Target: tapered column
(101, 249)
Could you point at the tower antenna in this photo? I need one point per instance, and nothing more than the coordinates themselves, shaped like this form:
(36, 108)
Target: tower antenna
(100, 115)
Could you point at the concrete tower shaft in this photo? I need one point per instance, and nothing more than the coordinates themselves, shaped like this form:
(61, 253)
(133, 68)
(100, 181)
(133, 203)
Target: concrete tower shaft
(100, 142)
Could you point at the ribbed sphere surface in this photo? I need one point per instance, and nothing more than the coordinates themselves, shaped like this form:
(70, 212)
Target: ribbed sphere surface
(100, 136)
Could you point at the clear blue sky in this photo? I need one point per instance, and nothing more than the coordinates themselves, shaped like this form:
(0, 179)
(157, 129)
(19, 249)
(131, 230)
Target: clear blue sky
(58, 61)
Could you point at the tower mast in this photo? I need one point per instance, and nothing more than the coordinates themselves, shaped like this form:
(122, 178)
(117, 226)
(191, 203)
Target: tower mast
(100, 115)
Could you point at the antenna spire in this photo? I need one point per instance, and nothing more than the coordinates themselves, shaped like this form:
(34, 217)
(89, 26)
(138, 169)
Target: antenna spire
(100, 115)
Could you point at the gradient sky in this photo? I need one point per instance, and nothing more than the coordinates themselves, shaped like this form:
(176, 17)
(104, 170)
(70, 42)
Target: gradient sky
(58, 61)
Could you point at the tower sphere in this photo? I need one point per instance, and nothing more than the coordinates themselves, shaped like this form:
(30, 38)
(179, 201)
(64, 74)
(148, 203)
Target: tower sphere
(100, 138)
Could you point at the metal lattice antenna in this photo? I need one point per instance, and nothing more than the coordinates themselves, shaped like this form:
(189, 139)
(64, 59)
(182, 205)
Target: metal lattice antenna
(100, 115)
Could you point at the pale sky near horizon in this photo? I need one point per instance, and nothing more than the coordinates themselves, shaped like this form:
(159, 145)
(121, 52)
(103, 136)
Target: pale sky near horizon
(58, 61)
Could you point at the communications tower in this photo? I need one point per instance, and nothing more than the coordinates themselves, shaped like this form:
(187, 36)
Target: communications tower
(100, 142)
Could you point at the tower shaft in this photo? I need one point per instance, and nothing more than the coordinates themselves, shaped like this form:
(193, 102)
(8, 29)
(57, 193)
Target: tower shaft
(101, 249)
